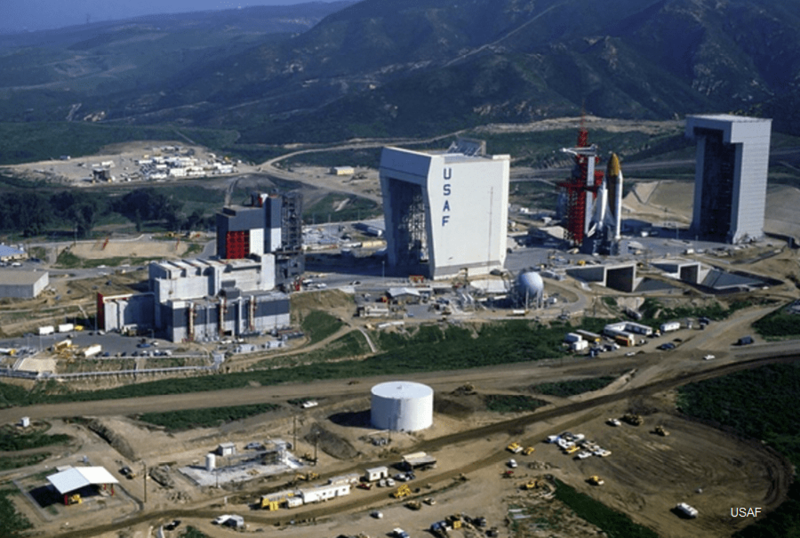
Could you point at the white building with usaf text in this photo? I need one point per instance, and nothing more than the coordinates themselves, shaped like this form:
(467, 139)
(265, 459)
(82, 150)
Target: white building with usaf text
(445, 211)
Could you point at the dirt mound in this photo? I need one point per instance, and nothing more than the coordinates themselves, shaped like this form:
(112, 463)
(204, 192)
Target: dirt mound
(332, 444)
(119, 443)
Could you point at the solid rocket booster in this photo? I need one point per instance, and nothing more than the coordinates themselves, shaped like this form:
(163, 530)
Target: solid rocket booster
(614, 179)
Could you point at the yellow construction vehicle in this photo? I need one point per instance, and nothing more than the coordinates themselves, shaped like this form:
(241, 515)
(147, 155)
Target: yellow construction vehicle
(633, 419)
(528, 451)
(514, 448)
(74, 499)
(310, 475)
(453, 521)
(596, 480)
(269, 504)
(402, 491)
(659, 430)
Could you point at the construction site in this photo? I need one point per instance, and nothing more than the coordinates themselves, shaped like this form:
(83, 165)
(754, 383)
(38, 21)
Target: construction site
(403, 452)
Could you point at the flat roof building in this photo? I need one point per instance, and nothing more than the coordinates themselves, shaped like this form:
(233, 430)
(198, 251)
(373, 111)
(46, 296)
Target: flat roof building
(447, 211)
(16, 284)
(730, 190)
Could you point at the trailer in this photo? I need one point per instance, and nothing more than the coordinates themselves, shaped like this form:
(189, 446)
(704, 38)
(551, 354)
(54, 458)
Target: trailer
(47, 330)
(670, 326)
(91, 351)
(589, 336)
(572, 338)
(625, 339)
(66, 327)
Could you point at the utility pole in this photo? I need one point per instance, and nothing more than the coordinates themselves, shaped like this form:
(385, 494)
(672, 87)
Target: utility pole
(144, 481)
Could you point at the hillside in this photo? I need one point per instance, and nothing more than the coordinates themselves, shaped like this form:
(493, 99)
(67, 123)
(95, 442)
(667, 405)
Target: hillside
(415, 68)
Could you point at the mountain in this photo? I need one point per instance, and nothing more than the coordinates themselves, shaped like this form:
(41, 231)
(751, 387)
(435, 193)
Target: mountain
(422, 67)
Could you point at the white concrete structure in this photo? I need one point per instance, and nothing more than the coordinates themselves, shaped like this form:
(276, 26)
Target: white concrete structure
(730, 190)
(445, 211)
(402, 406)
(376, 473)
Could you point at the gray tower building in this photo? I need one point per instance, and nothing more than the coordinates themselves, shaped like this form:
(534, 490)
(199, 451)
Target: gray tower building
(730, 189)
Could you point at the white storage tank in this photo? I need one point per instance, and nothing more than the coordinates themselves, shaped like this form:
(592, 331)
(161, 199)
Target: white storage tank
(211, 462)
(402, 406)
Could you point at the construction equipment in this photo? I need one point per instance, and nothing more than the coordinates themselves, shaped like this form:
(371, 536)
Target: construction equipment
(269, 504)
(74, 499)
(414, 505)
(529, 450)
(633, 419)
(596, 480)
(659, 430)
(514, 448)
(402, 491)
(310, 475)
(454, 521)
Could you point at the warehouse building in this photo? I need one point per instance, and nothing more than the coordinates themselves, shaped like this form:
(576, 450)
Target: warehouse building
(16, 284)
(730, 190)
(10, 254)
(445, 212)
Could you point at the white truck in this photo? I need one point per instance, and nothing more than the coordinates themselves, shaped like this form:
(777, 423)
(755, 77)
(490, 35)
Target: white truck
(46, 331)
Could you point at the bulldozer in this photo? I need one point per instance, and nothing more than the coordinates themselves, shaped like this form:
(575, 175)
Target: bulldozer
(74, 499)
(414, 505)
(402, 491)
(310, 475)
(596, 480)
(633, 419)
(659, 430)
(270, 504)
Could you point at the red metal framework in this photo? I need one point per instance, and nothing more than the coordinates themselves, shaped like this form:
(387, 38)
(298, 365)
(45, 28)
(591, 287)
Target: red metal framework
(576, 188)
(237, 245)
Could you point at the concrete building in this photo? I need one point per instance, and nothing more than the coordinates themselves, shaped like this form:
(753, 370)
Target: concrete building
(445, 211)
(22, 284)
(730, 177)
(201, 300)
(271, 224)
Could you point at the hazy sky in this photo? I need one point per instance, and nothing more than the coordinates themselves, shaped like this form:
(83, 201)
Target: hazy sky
(21, 15)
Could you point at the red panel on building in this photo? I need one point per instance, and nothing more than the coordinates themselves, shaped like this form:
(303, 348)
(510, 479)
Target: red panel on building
(237, 245)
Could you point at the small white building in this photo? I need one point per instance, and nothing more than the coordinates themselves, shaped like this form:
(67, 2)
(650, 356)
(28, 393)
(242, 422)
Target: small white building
(342, 170)
(226, 449)
(376, 473)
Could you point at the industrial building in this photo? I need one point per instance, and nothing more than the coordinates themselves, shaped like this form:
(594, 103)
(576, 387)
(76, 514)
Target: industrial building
(16, 284)
(201, 300)
(445, 212)
(271, 224)
(80, 480)
(730, 176)
(10, 254)
(402, 406)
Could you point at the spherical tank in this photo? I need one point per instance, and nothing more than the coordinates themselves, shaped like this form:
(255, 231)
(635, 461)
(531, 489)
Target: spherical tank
(530, 282)
(402, 406)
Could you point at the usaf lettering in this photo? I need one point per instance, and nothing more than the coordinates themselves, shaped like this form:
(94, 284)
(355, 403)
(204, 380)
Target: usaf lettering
(741, 511)
(448, 174)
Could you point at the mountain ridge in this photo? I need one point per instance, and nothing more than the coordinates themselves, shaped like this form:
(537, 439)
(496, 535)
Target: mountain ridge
(422, 67)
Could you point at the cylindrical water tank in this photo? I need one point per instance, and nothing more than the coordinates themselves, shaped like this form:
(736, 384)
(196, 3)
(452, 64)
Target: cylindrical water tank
(402, 406)
(211, 462)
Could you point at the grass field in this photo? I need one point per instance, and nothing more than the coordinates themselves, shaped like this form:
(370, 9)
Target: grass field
(760, 404)
(204, 418)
